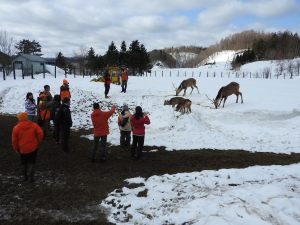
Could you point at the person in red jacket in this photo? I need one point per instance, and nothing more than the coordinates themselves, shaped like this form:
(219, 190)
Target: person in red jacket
(101, 129)
(107, 82)
(26, 136)
(138, 121)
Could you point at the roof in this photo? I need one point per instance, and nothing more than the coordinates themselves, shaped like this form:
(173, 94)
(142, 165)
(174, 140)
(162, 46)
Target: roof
(4, 59)
(33, 58)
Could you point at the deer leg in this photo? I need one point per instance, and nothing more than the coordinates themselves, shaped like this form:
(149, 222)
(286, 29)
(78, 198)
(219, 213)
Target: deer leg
(192, 90)
(237, 97)
(184, 92)
(241, 97)
(224, 100)
(197, 88)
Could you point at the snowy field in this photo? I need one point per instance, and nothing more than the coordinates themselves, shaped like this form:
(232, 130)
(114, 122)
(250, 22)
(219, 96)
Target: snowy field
(268, 121)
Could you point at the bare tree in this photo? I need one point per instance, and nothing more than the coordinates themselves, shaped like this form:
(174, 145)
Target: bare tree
(6, 43)
(279, 69)
(81, 58)
(267, 72)
(290, 69)
(298, 67)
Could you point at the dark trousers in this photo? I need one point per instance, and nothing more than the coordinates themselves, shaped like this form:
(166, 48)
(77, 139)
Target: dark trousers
(64, 137)
(107, 87)
(103, 140)
(56, 133)
(28, 163)
(124, 85)
(125, 137)
(137, 146)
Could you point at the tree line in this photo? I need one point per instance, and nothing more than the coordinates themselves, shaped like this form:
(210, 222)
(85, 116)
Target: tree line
(135, 57)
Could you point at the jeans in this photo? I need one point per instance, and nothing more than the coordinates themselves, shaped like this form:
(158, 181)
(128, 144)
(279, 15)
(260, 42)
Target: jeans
(124, 85)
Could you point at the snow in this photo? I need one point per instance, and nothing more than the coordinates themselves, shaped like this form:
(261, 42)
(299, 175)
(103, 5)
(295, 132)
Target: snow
(261, 195)
(267, 121)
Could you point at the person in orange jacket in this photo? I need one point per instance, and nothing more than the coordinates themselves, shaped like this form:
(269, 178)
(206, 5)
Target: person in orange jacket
(101, 129)
(26, 137)
(124, 79)
(65, 90)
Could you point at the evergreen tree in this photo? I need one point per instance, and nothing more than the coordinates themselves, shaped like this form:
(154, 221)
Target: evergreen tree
(60, 61)
(139, 60)
(112, 55)
(91, 60)
(123, 54)
(28, 47)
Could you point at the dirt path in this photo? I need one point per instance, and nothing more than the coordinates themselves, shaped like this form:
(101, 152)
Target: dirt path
(69, 187)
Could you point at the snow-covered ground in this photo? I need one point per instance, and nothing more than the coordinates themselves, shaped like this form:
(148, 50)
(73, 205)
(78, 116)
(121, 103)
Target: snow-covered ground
(268, 120)
(260, 195)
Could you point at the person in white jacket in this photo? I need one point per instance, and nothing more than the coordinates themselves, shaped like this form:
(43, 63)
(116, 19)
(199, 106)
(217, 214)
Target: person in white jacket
(125, 127)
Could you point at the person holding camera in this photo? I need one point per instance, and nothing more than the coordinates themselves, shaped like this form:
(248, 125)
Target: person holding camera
(125, 127)
(138, 121)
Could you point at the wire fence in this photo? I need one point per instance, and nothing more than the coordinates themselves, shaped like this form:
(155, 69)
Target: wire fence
(10, 72)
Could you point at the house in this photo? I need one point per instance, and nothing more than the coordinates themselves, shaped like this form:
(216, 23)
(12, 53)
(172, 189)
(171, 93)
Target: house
(29, 62)
(4, 60)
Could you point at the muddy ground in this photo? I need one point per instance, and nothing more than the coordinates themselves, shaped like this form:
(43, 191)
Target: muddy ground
(69, 188)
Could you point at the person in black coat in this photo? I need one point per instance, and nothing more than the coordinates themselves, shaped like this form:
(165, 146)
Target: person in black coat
(64, 121)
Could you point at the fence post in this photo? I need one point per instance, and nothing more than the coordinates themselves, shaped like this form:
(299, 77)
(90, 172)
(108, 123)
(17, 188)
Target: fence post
(55, 71)
(3, 73)
(44, 70)
(177, 73)
(207, 74)
(192, 73)
(14, 70)
(284, 76)
(170, 73)
(162, 73)
(221, 74)
(31, 72)
(250, 74)
(155, 73)
(200, 74)
(214, 74)
(185, 73)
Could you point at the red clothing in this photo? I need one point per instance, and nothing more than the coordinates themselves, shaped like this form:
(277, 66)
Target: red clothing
(107, 80)
(124, 75)
(64, 92)
(138, 127)
(100, 121)
(26, 137)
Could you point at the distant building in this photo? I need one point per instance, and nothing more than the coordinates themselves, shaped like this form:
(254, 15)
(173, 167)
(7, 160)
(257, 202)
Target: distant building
(4, 60)
(29, 62)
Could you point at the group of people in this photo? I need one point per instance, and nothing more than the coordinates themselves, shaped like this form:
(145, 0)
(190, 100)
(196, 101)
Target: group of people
(34, 125)
(107, 81)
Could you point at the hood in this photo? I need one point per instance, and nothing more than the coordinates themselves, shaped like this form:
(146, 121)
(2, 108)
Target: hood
(25, 125)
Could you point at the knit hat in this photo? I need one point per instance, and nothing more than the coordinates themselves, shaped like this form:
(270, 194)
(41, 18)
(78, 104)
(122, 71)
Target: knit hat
(125, 107)
(65, 81)
(22, 116)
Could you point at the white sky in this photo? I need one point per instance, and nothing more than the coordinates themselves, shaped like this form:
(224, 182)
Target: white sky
(71, 24)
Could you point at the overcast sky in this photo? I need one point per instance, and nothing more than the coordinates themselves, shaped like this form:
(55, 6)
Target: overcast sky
(68, 25)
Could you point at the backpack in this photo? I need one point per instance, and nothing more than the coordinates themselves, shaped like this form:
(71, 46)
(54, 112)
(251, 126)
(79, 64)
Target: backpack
(124, 122)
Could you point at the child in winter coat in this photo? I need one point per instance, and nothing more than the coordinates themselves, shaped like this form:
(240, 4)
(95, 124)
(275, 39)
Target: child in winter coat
(30, 107)
(125, 127)
(138, 121)
(107, 82)
(26, 137)
(65, 90)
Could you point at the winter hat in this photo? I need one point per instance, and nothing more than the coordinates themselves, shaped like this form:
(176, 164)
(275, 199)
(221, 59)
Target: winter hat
(125, 107)
(22, 116)
(65, 81)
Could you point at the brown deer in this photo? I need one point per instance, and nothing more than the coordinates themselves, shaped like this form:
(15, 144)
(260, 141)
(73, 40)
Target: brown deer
(224, 92)
(184, 106)
(173, 101)
(191, 82)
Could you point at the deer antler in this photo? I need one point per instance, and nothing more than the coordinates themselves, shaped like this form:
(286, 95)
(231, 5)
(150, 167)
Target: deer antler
(174, 86)
(209, 99)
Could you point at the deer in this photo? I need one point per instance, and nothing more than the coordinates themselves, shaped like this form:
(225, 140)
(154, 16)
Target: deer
(224, 92)
(173, 101)
(191, 82)
(184, 106)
